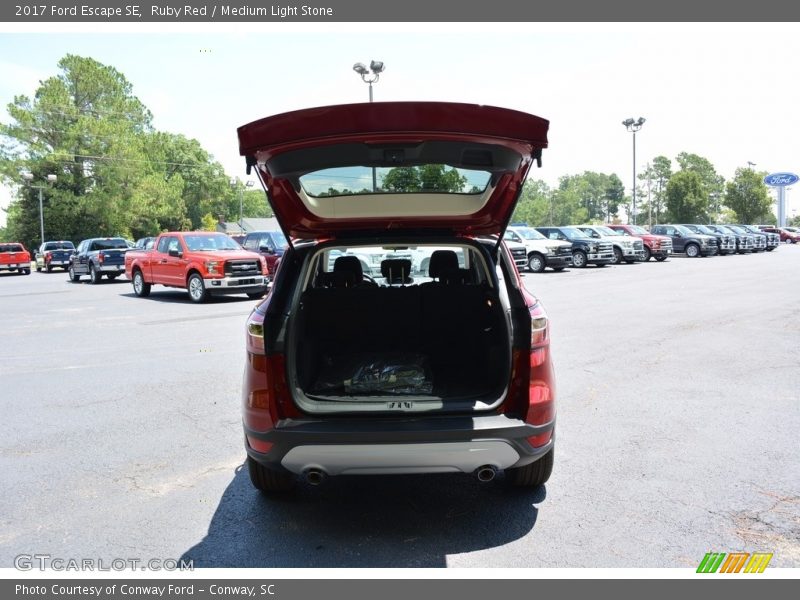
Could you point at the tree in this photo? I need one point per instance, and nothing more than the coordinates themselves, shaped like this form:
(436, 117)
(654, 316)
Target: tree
(712, 182)
(116, 174)
(747, 196)
(534, 204)
(687, 198)
(426, 178)
(656, 175)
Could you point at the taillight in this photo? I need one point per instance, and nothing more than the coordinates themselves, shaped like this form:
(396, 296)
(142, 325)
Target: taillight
(532, 390)
(255, 332)
(101, 257)
(539, 327)
(48, 256)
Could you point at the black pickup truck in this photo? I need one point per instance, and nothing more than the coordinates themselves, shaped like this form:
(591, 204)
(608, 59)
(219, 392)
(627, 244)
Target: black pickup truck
(96, 257)
(686, 240)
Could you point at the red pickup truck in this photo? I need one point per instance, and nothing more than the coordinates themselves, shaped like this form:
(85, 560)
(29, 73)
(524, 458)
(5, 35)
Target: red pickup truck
(14, 257)
(202, 262)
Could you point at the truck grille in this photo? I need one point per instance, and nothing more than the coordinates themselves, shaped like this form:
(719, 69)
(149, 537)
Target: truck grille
(242, 268)
(519, 254)
(637, 245)
(564, 251)
(603, 247)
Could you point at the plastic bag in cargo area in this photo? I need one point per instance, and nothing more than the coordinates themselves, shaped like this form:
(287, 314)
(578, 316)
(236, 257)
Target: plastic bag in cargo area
(389, 374)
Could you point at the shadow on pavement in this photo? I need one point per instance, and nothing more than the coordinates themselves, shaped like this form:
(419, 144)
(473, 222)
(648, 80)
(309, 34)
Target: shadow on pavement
(365, 521)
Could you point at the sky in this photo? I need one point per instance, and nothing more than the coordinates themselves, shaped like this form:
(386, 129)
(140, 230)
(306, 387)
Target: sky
(728, 92)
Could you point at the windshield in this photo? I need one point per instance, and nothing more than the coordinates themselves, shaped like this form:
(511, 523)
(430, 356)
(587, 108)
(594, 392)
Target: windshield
(10, 248)
(736, 229)
(210, 243)
(59, 246)
(429, 178)
(635, 230)
(749, 228)
(683, 230)
(704, 229)
(572, 233)
(279, 238)
(528, 233)
(608, 231)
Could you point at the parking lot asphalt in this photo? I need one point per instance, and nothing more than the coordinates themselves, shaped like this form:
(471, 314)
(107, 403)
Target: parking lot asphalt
(679, 412)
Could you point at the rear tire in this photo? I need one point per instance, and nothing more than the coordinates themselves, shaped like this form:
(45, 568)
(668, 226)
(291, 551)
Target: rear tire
(140, 287)
(48, 268)
(269, 480)
(38, 268)
(72, 276)
(647, 254)
(661, 258)
(255, 295)
(94, 276)
(534, 474)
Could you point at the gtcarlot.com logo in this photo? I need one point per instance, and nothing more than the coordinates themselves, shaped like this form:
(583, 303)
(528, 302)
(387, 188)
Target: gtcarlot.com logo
(43, 562)
(734, 562)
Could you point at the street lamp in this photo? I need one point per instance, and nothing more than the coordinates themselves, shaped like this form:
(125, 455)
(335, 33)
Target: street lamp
(50, 179)
(633, 127)
(235, 184)
(370, 76)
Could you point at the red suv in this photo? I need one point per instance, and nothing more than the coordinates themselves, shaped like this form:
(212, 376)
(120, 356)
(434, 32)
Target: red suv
(434, 358)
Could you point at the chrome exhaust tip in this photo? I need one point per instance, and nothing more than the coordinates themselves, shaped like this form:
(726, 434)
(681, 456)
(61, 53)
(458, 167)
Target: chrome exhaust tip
(485, 473)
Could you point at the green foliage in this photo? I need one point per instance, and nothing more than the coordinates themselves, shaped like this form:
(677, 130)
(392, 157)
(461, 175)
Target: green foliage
(426, 178)
(116, 174)
(687, 198)
(656, 176)
(747, 196)
(208, 223)
(534, 204)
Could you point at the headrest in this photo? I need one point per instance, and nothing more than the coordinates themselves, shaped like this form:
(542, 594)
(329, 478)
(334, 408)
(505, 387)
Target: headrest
(396, 270)
(349, 264)
(442, 263)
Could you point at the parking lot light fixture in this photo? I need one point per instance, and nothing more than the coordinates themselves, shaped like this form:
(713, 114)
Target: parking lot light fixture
(51, 178)
(633, 126)
(371, 76)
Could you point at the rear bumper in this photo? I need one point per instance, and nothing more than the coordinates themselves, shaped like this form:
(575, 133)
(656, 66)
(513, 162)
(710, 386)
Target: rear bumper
(110, 268)
(426, 445)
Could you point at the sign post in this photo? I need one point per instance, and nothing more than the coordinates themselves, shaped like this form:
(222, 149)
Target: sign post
(780, 181)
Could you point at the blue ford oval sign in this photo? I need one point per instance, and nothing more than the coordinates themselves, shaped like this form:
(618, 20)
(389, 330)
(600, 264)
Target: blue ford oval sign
(781, 179)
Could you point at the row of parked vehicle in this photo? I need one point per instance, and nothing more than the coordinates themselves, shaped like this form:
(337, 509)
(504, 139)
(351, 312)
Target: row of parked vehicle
(536, 248)
(203, 263)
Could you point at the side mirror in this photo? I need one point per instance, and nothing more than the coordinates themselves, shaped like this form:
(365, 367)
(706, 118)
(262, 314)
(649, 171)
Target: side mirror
(678, 234)
(176, 253)
(266, 249)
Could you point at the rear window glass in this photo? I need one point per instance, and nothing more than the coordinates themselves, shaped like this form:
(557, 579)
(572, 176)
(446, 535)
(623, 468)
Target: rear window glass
(11, 248)
(391, 266)
(425, 179)
(59, 246)
(111, 244)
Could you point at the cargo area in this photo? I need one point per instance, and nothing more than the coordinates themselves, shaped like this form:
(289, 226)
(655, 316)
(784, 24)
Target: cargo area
(439, 335)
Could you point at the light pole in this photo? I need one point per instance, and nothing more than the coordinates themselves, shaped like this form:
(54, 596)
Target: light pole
(50, 179)
(370, 76)
(633, 127)
(235, 184)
